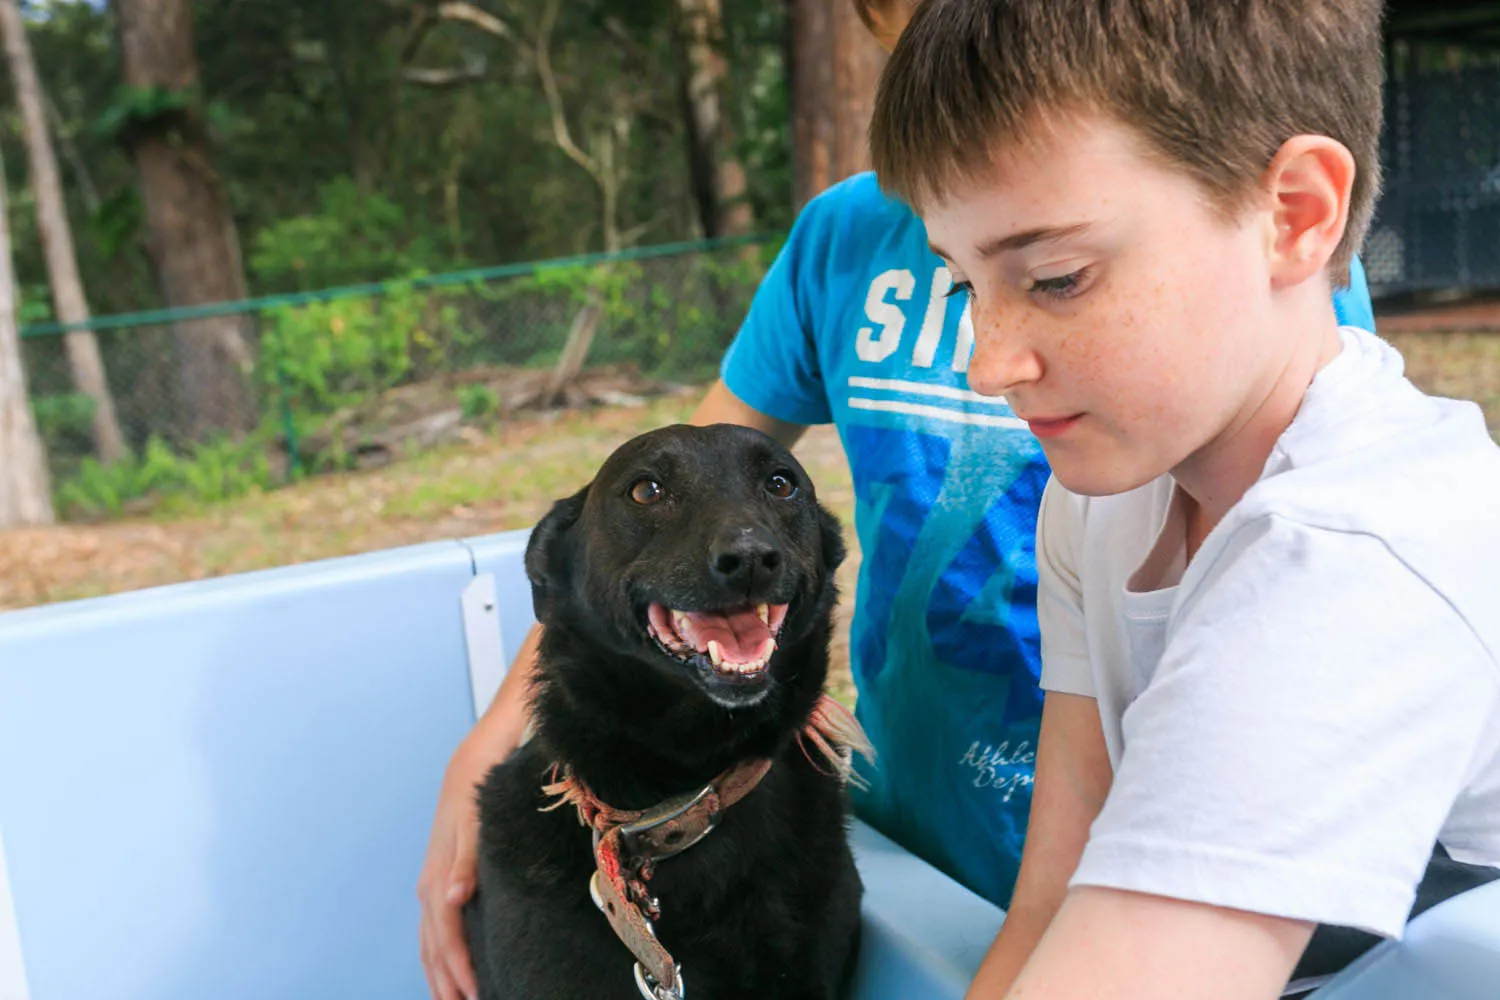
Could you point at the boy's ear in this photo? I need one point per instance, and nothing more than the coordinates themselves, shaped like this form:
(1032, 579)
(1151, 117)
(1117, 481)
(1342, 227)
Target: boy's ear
(551, 554)
(1309, 183)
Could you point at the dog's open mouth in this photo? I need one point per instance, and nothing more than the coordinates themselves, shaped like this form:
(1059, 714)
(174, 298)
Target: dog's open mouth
(735, 643)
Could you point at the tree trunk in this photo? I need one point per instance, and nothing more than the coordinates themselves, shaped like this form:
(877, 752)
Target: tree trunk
(198, 252)
(575, 349)
(25, 489)
(57, 236)
(718, 176)
(835, 67)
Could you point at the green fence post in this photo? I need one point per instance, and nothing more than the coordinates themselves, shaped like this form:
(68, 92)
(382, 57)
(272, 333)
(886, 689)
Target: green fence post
(288, 422)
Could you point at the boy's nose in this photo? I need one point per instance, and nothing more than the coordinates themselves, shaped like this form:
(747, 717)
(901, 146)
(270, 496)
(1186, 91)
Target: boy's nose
(1003, 357)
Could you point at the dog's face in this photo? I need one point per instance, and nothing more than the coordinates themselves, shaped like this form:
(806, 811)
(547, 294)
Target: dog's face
(695, 553)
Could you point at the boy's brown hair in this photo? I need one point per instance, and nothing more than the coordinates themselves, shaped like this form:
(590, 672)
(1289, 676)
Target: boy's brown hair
(1214, 87)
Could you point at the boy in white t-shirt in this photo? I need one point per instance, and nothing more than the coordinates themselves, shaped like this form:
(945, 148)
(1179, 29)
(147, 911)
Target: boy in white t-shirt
(1270, 567)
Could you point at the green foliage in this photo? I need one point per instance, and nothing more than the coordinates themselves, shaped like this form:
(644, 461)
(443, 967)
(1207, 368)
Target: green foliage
(477, 401)
(671, 318)
(65, 422)
(36, 304)
(352, 237)
(338, 171)
(137, 107)
(330, 354)
(116, 221)
(211, 472)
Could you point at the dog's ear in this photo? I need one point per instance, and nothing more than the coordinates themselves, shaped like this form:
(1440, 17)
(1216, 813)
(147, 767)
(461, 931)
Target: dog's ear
(550, 553)
(832, 533)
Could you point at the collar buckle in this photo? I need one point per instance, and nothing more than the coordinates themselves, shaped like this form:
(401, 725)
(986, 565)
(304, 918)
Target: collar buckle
(672, 826)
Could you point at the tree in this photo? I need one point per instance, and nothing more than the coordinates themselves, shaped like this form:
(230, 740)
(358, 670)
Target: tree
(835, 68)
(187, 212)
(25, 490)
(603, 154)
(57, 236)
(718, 176)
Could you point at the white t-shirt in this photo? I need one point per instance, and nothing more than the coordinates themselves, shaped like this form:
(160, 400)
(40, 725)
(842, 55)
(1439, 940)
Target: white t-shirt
(1295, 722)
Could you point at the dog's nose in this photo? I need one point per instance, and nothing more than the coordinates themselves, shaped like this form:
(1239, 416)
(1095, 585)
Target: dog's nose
(747, 560)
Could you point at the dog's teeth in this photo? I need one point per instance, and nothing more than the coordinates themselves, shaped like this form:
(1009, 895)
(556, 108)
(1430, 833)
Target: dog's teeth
(680, 622)
(714, 653)
(764, 612)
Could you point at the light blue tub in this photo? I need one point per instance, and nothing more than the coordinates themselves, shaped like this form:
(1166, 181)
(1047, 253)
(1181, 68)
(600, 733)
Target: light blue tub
(223, 789)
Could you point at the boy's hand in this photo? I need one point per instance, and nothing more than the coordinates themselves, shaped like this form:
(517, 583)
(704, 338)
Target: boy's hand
(450, 871)
(449, 874)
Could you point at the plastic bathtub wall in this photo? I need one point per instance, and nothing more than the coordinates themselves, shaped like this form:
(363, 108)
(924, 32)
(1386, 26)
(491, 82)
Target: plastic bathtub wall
(224, 789)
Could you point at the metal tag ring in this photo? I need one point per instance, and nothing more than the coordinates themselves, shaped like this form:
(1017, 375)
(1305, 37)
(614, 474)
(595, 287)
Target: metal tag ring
(652, 990)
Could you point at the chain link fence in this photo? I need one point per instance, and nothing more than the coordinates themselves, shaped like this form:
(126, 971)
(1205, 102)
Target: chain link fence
(1437, 226)
(219, 399)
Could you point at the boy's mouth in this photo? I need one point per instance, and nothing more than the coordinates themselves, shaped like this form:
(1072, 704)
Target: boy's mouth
(1044, 427)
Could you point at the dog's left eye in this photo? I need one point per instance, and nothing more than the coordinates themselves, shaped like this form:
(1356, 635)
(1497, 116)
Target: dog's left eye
(647, 492)
(781, 486)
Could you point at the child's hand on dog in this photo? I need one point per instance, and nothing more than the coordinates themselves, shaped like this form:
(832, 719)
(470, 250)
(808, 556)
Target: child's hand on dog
(450, 870)
(449, 873)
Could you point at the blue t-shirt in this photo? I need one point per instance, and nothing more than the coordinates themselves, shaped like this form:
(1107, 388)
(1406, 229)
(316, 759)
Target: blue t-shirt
(854, 325)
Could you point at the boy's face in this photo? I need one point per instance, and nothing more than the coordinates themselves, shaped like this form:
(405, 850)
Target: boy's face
(1121, 315)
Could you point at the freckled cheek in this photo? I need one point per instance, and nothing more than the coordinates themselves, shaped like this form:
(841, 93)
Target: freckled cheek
(1132, 358)
(991, 325)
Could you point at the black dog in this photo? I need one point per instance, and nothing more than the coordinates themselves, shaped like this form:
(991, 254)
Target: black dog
(687, 595)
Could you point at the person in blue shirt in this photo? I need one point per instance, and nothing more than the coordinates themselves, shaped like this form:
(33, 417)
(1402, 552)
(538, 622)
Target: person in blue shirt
(858, 324)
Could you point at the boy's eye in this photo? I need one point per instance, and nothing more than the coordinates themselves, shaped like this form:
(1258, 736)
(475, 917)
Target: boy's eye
(960, 286)
(1064, 286)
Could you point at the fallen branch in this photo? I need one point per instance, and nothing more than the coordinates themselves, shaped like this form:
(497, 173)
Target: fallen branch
(483, 20)
(456, 76)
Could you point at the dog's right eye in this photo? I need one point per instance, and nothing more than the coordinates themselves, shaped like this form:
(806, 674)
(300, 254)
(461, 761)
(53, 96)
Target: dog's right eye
(646, 492)
(781, 486)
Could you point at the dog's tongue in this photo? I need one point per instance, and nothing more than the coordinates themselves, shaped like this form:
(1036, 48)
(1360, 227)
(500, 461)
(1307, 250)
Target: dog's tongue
(741, 635)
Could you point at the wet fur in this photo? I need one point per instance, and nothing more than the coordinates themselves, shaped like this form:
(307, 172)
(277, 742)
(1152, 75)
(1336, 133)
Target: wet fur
(767, 906)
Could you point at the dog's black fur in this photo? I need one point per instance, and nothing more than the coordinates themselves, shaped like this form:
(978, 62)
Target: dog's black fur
(766, 906)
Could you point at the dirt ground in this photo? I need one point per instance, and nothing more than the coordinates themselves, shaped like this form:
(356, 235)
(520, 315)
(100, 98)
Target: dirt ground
(490, 482)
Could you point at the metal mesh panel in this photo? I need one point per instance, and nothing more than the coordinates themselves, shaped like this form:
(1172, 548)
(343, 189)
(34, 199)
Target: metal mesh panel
(1437, 225)
(319, 364)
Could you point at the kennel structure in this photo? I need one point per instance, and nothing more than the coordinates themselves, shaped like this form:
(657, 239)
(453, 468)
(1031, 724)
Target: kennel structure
(224, 789)
(1437, 225)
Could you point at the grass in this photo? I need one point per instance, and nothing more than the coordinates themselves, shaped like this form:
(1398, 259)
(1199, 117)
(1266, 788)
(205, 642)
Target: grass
(1459, 365)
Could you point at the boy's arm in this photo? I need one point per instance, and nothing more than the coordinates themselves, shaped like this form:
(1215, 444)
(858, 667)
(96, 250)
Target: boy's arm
(721, 406)
(1131, 946)
(1073, 770)
(1277, 772)
(1086, 943)
(1072, 779)
(1093, 942)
